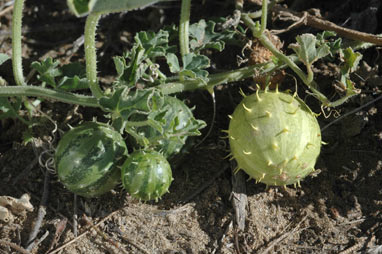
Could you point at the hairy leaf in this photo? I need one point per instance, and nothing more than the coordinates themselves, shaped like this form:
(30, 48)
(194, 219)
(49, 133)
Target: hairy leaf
(48, 71)
(204, 35)
(351, 60)
(140, 62)
(69, 77)
(307, 49)
(173, 63)
(177, 123)
(194, 65)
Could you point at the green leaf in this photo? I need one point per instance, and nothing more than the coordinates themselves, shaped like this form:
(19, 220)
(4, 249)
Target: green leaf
(326, 38)
(169, 126)
(74, 77)
(139, 62)
(3, 58)
(194, 65)
(173, 63)
(351, 60)
(8, 109)
(84, 7)
(140, 104)
(125, 102)
(307, 49)
(154, 44)
(325, 35)
(47, 70)
(69, 77)
(203, 35)
(119, 63)
(27, 136)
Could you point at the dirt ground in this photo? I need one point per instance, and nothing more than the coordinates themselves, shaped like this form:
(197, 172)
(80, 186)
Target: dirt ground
(338, 210)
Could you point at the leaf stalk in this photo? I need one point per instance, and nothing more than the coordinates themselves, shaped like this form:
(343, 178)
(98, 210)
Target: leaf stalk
(91, 53)
(184, 27)
(16, 42)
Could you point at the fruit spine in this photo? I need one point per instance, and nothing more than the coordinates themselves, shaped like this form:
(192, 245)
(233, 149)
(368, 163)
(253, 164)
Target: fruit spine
(274, 137)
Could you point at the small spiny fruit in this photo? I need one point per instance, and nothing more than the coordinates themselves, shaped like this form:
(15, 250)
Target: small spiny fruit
(274, 137)
(146, 175)
(88, 159)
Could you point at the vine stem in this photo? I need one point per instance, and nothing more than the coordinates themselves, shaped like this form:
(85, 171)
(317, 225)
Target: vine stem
(16, 42)
(83, 100)
(168, 88)
(260, 35)
(218, 79)
(264, 16)
(183, 27)
(91, 53)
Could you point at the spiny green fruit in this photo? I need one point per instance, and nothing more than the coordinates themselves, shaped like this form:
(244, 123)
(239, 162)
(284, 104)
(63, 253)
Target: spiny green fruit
(88, 159)
(274, 137)
(146, 175)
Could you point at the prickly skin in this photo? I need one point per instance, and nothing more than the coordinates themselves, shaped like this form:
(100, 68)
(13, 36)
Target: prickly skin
(275, 138)
(146, 175)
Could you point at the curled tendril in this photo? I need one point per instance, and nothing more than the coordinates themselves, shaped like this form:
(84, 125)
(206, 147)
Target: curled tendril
(335, 112)
(46, 157)
(47, 163)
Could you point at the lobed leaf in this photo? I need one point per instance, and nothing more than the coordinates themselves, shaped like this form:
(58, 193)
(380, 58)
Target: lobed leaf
(69, 77)
(48, 71)
(204, 35)
(139, 62)
(194, 65)
(307, 49)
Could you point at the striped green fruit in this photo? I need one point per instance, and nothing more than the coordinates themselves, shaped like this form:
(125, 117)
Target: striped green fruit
(146, 175)
(275, 138)
(88, 159)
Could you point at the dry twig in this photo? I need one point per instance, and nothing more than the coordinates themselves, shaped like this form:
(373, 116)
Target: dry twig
(6, 10)
(239, 199)
(39, 199)
(352, 249)
(104, 236)
(42, 238)
(41, 214)
(14, 246)
(60, 227)
(128, 240)
(284, 236)
(75, 216)
(322, 24)
(83, 234)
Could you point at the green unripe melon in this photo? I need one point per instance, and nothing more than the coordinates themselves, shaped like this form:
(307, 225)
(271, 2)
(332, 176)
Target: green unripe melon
(88, 159)
(275, 138)
(146, 175)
